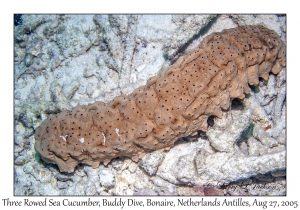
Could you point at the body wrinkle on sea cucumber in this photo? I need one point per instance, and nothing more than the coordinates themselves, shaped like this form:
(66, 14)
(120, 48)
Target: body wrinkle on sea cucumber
(173, 104)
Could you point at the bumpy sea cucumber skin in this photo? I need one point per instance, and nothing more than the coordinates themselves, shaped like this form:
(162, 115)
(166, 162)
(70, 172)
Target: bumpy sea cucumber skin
(173, 104)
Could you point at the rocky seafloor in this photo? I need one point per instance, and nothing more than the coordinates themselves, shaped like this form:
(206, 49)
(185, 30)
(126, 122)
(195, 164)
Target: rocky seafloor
(61, 61)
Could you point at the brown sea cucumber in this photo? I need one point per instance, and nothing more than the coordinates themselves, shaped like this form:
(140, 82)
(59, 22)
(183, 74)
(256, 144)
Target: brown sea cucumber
(174, 104)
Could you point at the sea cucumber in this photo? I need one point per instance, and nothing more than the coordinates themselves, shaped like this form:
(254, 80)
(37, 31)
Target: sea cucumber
(171, 105)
